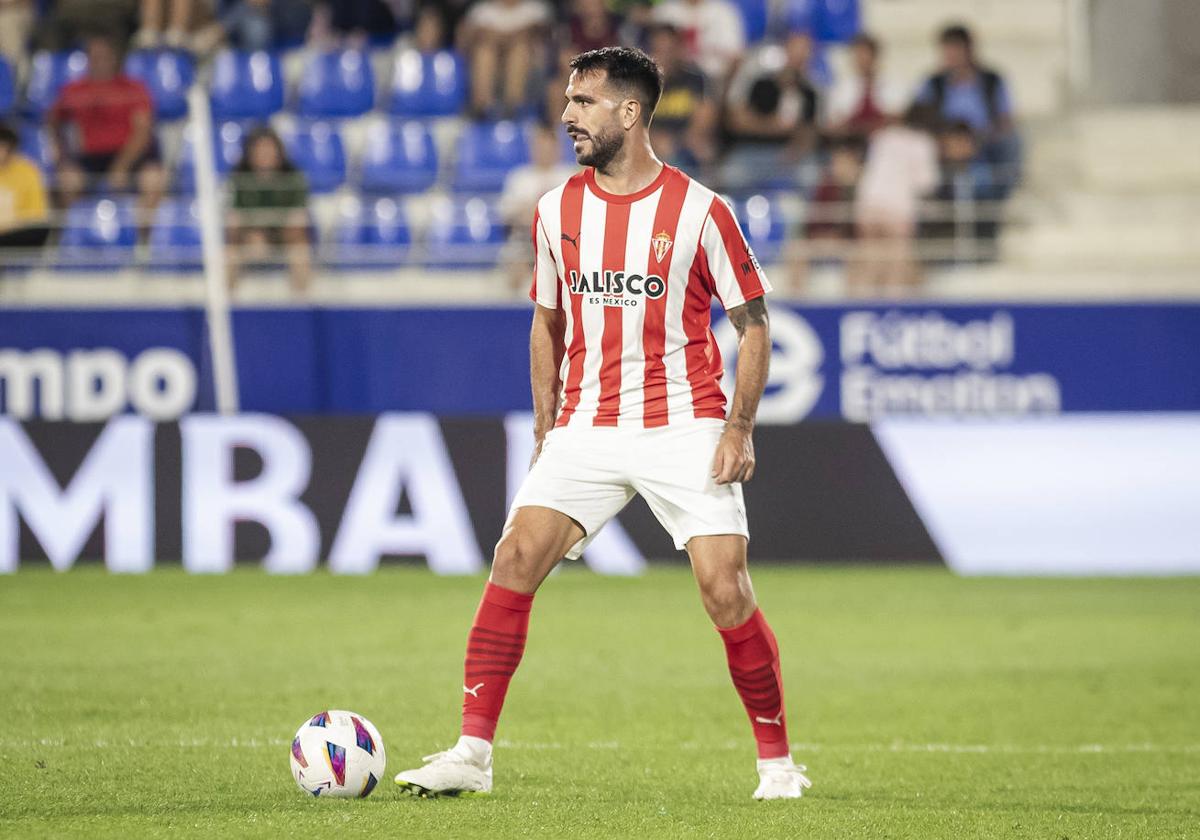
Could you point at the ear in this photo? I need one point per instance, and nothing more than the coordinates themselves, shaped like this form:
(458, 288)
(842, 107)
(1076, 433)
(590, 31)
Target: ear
(631, 113)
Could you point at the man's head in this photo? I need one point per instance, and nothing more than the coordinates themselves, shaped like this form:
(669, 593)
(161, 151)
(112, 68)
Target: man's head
(666, 45)
(8, 143)
(865, 51)
(612, 94)
(104, 56)
(958, 48)
(798, 47)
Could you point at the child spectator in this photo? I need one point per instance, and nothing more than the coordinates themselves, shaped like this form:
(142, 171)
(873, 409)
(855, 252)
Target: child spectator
(503, 40)
(270, 209)
(683, 132)
(111, 117)
(862, 100)
(829, 228)
(965, 91)
(901, 168)
(23, 217)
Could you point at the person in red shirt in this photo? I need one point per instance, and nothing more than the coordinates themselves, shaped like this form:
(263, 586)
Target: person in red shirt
(102, 126)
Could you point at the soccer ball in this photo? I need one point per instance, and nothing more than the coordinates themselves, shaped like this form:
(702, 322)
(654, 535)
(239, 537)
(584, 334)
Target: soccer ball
(338, 753)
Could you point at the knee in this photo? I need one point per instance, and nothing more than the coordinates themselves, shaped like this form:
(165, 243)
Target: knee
(515, 564)
(728, 598)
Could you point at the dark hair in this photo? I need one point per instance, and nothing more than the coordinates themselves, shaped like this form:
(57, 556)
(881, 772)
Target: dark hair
(263, 132)
(862, 39)
(921, 116)
(956, 33)
(8, 137)
(629, 69)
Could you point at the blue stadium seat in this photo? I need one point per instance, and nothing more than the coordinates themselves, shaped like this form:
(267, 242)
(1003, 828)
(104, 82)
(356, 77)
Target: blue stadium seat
(336, 84)
(317, 149)
(465, 233)
(35, 144)
(764, 226)
(800, 16)
(99, 235)
(167, 74)
(8, 87)
(228, 139)
(246, 85)
(175, 237)
(371, 234)
(48, 73)
(399, 158)
(486, 152)
(838, 21)
(428, 85)
(755, 14)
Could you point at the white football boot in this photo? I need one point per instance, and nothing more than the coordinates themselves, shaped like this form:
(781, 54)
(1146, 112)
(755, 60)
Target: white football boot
(465, 768)
(781, 778)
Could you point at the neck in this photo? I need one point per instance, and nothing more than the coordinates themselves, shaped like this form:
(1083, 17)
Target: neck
(634, 168)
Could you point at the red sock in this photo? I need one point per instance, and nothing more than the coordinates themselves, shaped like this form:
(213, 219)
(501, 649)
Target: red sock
(494, 649)
(754, 665)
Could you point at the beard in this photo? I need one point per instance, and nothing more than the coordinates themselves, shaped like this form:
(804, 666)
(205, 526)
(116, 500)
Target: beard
(605, 147)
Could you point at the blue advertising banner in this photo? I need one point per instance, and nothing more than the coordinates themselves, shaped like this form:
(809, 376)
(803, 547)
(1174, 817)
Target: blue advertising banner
(854, 362)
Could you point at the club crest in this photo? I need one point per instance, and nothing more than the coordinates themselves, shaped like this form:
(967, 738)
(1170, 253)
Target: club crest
(662, 243)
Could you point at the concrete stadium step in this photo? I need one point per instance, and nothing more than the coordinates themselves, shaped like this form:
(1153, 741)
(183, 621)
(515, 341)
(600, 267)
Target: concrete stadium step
(1147, 149)
(996, 20)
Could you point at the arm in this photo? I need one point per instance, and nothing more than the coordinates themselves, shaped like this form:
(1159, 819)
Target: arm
(734, 460)
(137, 144)
(546, 348)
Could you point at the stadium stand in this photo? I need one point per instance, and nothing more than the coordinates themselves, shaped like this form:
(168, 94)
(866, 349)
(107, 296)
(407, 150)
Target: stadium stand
(246, 85)
(336, 84)
(167, 74)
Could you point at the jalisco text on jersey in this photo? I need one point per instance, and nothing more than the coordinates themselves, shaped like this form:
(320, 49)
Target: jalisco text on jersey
(617, 282)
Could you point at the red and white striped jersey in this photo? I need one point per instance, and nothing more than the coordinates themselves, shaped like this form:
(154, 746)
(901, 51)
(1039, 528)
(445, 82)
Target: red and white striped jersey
(635, 276)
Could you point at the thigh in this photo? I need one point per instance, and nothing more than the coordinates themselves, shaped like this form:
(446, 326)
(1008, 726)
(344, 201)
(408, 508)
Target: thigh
(579, 474)
(535, 539)
(674, 476)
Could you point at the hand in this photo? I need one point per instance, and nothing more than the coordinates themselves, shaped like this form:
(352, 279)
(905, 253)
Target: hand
(734, 460)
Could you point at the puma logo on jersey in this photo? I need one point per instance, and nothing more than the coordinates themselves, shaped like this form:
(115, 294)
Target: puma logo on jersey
(474, 692)
(566, 238)
(775, 721)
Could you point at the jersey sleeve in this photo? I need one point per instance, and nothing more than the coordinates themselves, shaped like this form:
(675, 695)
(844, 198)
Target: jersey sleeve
(735, 274)
(544, 288)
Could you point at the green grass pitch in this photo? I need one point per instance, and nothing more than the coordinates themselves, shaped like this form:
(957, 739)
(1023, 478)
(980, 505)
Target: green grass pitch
(925, 706)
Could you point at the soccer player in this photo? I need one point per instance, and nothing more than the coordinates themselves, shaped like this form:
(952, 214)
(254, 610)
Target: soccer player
(627, 399)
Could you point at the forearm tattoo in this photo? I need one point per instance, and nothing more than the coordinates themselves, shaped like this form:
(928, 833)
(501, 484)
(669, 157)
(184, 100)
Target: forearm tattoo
(751, 312)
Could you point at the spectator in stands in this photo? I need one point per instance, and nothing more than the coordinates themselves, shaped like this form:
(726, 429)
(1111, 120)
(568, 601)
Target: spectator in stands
(257, 25)
(862, 100)
(66, 22)
(684, 128)
(829, 230)
(964, 90)
(966, 225)
(901, 168)
(270, 209)
(112, 117)
(23, 216)
(16, 23)
(771, 115)
(355, 23)
(503, 40)
(522, 189)
(712, 30)
(164, 23)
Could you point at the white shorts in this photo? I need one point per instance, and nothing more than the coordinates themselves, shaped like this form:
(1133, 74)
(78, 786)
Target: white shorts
(589, 473)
